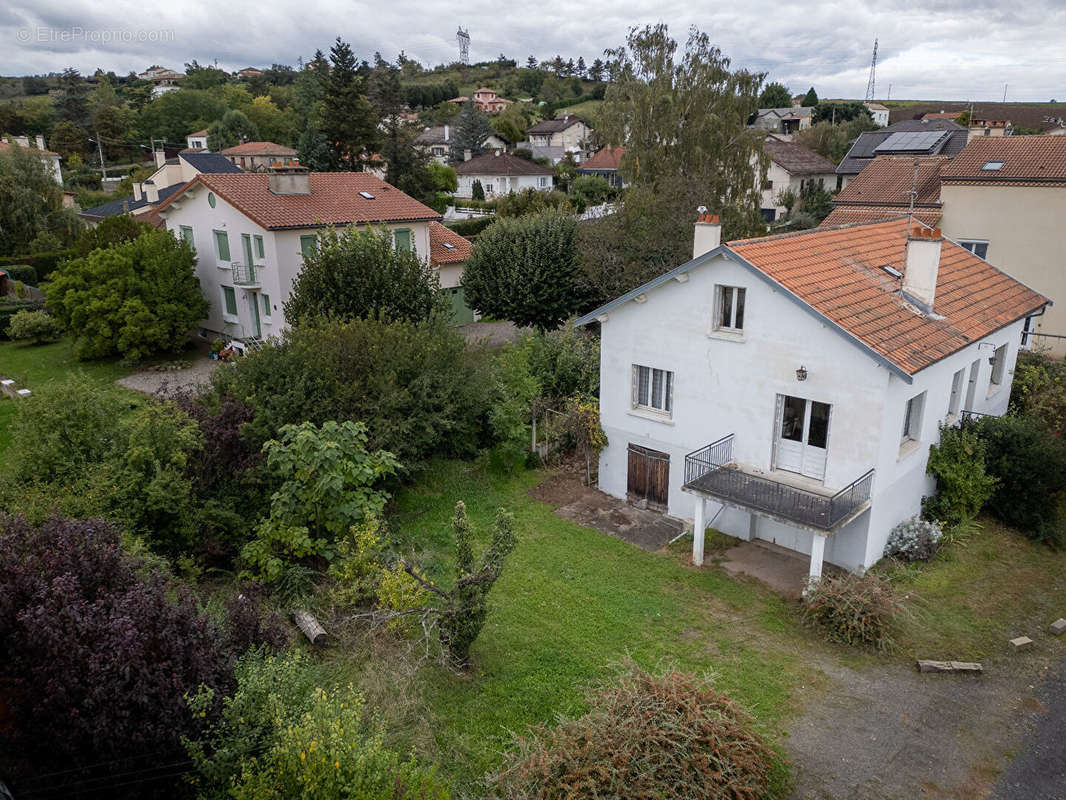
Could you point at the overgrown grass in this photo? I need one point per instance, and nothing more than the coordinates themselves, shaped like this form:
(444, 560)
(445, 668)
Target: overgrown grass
(976, 594)
(573, 602)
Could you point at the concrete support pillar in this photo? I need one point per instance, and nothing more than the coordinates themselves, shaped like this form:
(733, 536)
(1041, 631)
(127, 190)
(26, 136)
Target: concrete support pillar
(753, 526)
(817, 556)
(699, 528)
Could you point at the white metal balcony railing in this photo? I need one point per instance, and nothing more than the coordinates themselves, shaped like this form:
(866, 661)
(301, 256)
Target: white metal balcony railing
(245, 274)
(711, 471)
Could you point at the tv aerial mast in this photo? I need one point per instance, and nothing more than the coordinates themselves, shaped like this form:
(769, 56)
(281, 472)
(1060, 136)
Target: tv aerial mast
(871, 85)
(463, 37)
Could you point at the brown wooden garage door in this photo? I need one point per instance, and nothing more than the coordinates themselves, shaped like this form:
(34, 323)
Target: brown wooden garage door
(649, 477)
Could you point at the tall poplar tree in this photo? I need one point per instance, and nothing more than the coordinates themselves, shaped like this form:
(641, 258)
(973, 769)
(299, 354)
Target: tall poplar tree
(682, 115)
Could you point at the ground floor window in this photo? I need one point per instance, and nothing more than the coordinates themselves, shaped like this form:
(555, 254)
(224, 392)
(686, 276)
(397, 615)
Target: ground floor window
(653, 389)
(229, 302)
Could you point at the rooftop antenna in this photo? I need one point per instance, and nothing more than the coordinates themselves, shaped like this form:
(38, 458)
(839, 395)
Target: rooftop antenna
(1004, 93)
(914, 198)
(871, 85)
(463, 38)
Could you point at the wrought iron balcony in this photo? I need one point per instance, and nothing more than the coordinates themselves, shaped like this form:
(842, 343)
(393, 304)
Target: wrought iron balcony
(711, 471)
(245, 274)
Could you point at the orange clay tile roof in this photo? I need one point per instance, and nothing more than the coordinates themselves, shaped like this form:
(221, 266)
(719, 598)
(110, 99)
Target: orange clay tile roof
(334, 200)
(259, 149)
(852, 214)
(888, 180)
(605, 158)
(439, 253)
(839, 272)
(1025, 158)
(202, 132)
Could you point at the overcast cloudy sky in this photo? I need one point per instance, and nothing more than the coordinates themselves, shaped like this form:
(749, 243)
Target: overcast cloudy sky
(942, 49)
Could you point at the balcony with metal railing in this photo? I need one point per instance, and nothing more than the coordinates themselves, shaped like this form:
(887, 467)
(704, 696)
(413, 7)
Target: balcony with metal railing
(712, 471)
(246, 275)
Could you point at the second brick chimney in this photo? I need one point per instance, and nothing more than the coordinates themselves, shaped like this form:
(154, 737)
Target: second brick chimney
(922, 265)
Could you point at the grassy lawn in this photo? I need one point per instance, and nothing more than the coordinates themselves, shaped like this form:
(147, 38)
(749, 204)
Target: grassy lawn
(975, 595)
(571, 604)
(35, 367)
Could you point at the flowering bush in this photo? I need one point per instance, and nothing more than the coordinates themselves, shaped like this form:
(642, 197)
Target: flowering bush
(914, 539)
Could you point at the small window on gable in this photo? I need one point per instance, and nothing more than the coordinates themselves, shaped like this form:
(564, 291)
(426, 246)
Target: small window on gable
(402, 239)
(308, 244)
(912, 419)
(653, 389)
(992, 166)
(259, 252)
(956, 393)
(978, 247)
(222, 245)
(729, 308)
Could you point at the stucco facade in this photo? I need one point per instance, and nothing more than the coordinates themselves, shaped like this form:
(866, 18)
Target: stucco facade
(1022, 226)
(496, 185)
(259, 307)
(733, 383)
(779, 180)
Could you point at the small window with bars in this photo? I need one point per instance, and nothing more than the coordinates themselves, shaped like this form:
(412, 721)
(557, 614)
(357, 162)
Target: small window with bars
(653, 389)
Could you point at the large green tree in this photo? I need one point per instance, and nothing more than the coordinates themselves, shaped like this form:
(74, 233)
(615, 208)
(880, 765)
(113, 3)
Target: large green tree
(233, 129)
(525, 269)
(472, 128)
(348, 119)
(132, 299)
(355, 274)
(682, 114)
(775, 95)
(407, 167)
(31, 202)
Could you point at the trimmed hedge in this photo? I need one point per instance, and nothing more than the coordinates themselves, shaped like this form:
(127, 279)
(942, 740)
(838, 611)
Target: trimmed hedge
(22, 272)
(471, 227)
(42, 263)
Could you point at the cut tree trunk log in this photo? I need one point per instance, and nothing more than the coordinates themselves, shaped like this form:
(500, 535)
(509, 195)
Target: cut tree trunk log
(310, 626)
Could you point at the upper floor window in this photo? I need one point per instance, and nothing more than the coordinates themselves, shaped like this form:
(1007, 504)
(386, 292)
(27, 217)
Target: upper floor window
(185, 234)
(979, 247)
(308, 244)
(999, 365)
(222, 245)
(912, 419)
(259, 250)
(402, 239)
(729, 308)
(653, 389)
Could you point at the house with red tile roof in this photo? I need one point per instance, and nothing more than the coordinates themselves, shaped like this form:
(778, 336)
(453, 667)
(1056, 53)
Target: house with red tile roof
(883, 190)
(251, 232)
(449, 252)
(605, 162)
(787, 389)
(500, 174)
(197, 140)
(252, 156)
(1004, 198)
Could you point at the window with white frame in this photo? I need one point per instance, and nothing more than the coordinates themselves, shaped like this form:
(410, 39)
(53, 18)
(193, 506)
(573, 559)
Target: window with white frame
(653, 389)
(488, 188)
(912, 419)
(999, 365)
(543, 182)
(979, 247)
(956, 393)
(729, 308)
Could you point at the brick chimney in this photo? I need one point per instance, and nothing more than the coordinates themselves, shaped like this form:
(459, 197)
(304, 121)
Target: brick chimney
(708, 233)
(922, 266)
(289, 180)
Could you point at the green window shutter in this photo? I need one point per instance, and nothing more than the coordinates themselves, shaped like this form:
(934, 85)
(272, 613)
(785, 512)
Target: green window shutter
(222, 245)
(259, 251)
(308, 243)
(231, 300)
(186, 233)
(402, 237)
(266, 305)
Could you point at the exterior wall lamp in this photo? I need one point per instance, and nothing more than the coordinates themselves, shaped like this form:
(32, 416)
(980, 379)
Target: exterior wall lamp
(801, 374)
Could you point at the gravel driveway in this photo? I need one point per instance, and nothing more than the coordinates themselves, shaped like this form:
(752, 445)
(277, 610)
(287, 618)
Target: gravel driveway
(150, 381)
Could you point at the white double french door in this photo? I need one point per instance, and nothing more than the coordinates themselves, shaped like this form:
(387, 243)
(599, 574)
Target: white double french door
(802, 436)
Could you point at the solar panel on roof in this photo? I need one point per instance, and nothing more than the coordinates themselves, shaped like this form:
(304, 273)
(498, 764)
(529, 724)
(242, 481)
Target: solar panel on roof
(908, 142)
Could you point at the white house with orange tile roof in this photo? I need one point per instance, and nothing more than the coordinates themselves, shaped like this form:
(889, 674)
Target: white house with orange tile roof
(251, 231)
(788, 388)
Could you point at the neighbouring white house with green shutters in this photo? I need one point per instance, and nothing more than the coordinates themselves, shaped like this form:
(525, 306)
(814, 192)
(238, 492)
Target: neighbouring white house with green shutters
(251, 231)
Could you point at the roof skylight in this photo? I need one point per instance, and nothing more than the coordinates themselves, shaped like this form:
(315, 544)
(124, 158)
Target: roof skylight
(992, 166)
(449, 245)
(366, 195)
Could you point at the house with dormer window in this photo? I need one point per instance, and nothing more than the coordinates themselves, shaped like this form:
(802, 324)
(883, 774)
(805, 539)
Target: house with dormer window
(788, 388)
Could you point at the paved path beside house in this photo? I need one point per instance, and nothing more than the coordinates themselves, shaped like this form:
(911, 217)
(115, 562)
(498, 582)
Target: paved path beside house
(1038, 769)
(784, 571)
(887, 732)
(592, 508)
(150, 381)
